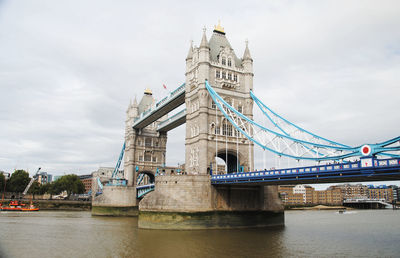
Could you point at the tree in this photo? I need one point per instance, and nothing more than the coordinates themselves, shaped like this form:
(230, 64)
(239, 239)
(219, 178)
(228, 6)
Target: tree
(70, 183)
(2, 182)
(51, 188)
(18, 181)
(44, 188)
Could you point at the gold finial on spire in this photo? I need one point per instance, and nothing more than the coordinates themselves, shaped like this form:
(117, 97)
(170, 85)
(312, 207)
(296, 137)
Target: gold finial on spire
(147, 91)
(219, 28)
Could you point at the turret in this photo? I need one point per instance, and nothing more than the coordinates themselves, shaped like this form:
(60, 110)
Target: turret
(132, 110)
(247, 63)
(189, 57)
(204, 48)
(204, 58)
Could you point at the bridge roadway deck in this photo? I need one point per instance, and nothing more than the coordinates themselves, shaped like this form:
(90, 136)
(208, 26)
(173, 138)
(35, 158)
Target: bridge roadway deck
(163, 107)
(367, 169)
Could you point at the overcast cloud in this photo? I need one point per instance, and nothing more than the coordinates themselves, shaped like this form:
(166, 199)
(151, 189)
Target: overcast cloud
(68, 70)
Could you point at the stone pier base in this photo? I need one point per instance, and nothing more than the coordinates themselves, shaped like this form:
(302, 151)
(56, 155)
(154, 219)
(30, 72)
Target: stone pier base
(116, 201)
(191, 202)
(209, 220)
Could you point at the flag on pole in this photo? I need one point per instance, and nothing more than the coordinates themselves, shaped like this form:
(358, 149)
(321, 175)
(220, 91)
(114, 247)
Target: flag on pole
(165, 87)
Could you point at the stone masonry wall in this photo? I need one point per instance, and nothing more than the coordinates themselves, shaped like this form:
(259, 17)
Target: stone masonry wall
(116, 196)
(194, 193)
(183, 193)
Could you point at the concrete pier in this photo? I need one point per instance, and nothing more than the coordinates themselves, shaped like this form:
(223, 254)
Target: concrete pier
(116, 201)
(191, 202)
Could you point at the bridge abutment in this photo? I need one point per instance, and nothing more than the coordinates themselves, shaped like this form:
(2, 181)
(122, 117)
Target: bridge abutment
(116, 201)
(191, 202)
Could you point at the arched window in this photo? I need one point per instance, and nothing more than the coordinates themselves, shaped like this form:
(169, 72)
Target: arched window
(229, 62)
(229, 76)
(223, 61)
(217, 74)
(223, 75)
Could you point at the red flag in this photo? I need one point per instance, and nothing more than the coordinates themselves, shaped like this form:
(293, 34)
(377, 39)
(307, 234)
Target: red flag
(165, 87)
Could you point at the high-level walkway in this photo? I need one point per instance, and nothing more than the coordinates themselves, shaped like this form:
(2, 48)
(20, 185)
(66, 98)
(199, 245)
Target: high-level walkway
(175, 99)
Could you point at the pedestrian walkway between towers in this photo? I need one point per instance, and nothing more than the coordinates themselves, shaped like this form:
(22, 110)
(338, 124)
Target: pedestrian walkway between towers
(174, 99)
(367, 169)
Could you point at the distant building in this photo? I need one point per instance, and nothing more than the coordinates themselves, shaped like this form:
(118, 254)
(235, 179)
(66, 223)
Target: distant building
(44, 178)
(307, 195)
(349, 191)
(396, 192)
(330, 196)
(296, 195)
(87, 182)
(380, 192)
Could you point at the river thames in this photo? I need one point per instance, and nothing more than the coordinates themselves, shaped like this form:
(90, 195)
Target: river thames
(356, 233)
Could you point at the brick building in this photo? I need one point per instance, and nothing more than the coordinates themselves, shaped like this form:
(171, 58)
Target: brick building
(87, 182)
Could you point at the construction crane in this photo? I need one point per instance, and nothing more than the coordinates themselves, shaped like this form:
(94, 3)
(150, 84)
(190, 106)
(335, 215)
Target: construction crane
(31, 182)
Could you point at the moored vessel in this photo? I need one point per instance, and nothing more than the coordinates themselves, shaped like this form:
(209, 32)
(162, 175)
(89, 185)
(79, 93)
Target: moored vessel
(15, 205)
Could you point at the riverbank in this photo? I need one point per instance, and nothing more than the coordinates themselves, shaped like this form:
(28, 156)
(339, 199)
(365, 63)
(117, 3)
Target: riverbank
(319, 207)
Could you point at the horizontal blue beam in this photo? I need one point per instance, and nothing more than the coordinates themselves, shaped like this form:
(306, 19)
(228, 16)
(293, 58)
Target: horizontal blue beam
(367, 169)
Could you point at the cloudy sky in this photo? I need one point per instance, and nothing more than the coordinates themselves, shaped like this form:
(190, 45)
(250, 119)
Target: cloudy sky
(68, 70)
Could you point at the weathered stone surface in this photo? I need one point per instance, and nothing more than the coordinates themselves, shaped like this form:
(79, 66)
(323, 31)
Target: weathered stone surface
(115, 201)
(209, 220)
(191, 202)
(183, 193)
(131, 211)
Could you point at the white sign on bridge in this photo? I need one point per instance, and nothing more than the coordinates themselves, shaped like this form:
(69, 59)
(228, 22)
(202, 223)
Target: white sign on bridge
(365, 163)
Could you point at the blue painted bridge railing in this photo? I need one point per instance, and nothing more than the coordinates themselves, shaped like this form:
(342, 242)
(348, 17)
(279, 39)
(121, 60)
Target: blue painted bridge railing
(366, 169)
(142, 190)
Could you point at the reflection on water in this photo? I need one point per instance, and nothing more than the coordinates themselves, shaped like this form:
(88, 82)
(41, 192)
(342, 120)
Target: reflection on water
(306, 234)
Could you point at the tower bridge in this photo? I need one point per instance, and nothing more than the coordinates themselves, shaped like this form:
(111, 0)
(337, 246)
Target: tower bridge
(218, 116)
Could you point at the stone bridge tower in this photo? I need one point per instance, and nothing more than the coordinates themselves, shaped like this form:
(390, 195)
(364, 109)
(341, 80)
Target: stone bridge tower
(190, 201)
(208, 133)
(144, 153)
(145, 148)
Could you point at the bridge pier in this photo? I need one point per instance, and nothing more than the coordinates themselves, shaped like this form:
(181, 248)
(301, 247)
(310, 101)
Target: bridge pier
(191, 202)
(116, 201)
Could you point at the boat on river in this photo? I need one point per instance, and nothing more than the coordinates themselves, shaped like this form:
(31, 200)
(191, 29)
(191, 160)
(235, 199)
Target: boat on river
(15, 205)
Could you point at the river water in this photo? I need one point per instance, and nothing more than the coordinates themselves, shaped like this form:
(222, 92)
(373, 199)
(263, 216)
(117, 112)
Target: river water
(357, 233)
